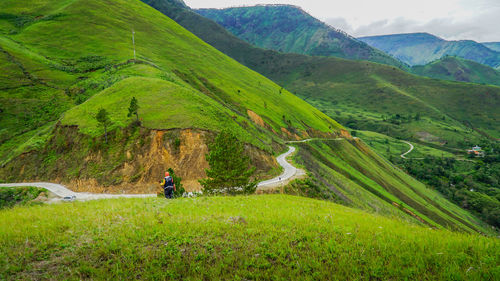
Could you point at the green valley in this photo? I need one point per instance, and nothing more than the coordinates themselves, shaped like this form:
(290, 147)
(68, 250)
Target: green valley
(366, 96)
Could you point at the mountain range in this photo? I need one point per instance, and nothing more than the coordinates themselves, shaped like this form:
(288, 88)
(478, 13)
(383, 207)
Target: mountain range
(104, 96)
(423, 48)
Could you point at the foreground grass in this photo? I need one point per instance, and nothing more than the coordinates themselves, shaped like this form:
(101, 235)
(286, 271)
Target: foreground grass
(256, 237)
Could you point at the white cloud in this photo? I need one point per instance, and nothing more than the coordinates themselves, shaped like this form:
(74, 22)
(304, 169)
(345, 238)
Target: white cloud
(450, 19)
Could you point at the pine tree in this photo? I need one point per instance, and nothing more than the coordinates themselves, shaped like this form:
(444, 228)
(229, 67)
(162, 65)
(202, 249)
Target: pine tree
(230, 169)
(103, 118)
(133, 109)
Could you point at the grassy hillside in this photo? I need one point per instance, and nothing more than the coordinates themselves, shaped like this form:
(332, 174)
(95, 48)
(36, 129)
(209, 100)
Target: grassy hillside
(423, 48)
(78, 56)
(255, 238)
(289, 29)
(187, 91)
(387, 100)
(458, 69)
(364, 95)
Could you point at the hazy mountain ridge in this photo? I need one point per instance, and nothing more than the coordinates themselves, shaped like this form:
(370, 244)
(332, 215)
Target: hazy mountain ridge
(423, 48)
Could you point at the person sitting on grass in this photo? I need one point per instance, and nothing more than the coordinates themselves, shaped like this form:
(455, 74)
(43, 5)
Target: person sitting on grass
(168, 186)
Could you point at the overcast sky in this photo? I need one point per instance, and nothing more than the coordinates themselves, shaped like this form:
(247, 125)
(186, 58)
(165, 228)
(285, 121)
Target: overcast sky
(477, 20)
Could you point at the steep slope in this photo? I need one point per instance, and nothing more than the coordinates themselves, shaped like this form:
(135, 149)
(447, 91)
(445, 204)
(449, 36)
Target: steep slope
(495, 46)
(329, 181)
(289, 29)
(79, 55)
(423, 48)
(458, 69)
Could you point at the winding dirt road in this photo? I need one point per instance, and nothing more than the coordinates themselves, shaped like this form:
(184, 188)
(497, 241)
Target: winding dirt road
(411, 149)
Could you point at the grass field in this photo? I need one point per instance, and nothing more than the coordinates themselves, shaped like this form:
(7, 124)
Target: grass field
(253, 238)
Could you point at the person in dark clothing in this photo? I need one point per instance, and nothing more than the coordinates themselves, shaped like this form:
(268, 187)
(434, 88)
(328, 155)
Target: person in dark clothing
(168, 186)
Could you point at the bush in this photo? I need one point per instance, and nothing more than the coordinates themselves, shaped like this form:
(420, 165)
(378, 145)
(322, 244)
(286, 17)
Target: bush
(12, 196)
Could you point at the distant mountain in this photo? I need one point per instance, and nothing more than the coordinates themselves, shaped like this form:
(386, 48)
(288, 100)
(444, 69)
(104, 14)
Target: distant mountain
(423, 48)
(495, 46)
(289, 29)
(458, 69)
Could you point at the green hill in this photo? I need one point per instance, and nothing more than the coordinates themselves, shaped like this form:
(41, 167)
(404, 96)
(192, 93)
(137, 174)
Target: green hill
(423, 48)
(212, 238)
(458, 69)
(58, 58)
(289, 29)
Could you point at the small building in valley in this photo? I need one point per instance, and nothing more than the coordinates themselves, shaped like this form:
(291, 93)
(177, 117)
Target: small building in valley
(476, 151)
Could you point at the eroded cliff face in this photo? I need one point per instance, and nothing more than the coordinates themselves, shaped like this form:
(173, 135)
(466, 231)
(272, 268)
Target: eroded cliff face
(133, 161)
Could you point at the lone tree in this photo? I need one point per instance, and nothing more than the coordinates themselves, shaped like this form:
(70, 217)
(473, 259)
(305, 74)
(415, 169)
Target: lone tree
(103, 118)
(230, 169)
(133, 108)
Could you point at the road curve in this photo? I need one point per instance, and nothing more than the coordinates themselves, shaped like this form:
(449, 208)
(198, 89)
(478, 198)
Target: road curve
(411, 149)
(289, 172)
